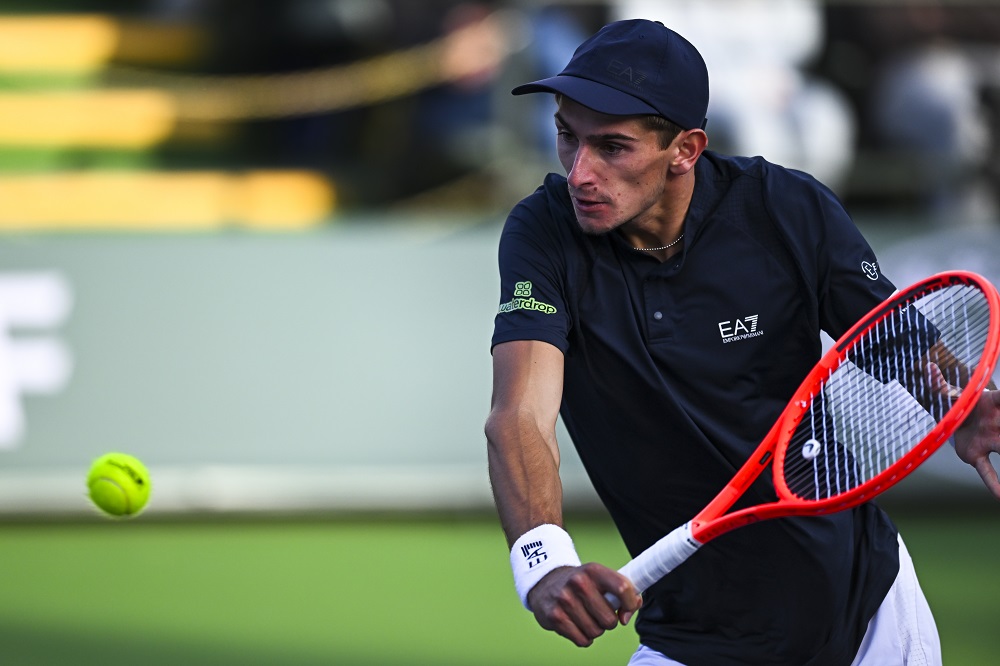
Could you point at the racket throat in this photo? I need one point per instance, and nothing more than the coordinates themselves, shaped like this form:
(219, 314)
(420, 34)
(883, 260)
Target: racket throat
(706, 530)
(744, 478)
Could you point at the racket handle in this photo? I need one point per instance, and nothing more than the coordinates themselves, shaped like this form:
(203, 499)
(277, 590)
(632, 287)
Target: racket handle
(658, 560)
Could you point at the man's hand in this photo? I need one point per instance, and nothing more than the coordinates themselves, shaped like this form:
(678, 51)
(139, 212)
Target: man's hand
(570, 601)
(979, 436)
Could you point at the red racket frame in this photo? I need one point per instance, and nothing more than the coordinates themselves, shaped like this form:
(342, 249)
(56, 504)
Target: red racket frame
(710, 522)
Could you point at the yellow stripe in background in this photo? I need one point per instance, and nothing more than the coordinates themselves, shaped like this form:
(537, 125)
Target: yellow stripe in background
(131, 119)
(151, 201)
(86, 43)
(66, 43)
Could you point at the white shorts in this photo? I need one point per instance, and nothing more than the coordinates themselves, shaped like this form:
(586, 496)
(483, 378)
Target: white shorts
(902, 632)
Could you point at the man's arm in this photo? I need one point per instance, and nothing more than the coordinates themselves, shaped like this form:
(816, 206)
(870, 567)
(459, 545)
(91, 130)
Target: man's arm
(521, 437)
(979, 436)
(936, 380)
(524, 471)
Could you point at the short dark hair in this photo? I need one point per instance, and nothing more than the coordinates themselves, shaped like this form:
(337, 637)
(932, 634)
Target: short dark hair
(667, 130)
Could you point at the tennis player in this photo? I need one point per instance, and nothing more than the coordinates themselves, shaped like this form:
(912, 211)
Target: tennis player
(667, 301)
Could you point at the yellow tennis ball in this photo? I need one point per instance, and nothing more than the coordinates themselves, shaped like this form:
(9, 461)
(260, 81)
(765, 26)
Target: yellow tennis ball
(119, 484)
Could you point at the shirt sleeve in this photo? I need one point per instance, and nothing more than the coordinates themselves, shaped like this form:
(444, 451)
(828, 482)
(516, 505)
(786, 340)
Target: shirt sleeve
(845, 271)
(852, 280)
(533, 304)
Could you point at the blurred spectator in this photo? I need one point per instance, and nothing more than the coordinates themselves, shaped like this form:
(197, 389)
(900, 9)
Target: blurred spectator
(555, 32)
(379, 152)
(764, 101)
(275, 37)
(926, 78)
(448, 133)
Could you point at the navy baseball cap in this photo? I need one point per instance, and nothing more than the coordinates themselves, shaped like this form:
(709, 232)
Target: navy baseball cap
(634, 67)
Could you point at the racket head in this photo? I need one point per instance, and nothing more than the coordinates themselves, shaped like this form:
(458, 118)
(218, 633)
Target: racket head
(874, 407)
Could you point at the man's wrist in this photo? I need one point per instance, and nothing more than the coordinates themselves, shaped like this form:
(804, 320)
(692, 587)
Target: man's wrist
(537, 552)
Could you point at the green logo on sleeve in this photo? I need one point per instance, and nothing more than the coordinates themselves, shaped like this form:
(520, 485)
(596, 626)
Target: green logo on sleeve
(523, 300)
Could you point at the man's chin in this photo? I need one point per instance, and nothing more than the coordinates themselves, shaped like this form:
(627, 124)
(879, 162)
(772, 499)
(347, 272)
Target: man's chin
(593, 225)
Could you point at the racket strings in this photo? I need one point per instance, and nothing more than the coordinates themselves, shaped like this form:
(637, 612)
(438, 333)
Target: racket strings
(897, 381)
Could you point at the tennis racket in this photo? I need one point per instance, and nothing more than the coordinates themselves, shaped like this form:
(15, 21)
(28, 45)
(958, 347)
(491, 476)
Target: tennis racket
(888, 393)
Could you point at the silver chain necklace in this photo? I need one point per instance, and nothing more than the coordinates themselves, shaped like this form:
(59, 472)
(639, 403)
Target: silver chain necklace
(665, 247)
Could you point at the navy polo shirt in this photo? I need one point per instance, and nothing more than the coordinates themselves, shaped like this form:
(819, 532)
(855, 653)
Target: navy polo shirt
(675, 371)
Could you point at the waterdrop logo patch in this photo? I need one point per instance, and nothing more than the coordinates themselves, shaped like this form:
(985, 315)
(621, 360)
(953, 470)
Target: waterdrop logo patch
(523, 300)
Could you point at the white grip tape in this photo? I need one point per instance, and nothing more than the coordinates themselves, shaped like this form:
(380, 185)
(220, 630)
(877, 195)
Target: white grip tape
(537, 552)
(661, 558)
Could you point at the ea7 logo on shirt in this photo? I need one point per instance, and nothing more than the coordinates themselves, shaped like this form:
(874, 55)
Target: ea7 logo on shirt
(523, 300)
(735, 330)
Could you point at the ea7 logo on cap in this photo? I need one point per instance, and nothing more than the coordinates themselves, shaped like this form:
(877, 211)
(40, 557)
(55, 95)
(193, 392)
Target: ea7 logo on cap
(622, 71)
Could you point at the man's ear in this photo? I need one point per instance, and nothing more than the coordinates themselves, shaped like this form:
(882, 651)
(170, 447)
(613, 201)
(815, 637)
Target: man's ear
(689, 146)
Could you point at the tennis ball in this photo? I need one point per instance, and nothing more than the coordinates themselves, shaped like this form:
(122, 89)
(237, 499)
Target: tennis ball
(119, 484)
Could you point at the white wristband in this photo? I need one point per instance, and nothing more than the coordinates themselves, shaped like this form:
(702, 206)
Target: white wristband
(537, 552)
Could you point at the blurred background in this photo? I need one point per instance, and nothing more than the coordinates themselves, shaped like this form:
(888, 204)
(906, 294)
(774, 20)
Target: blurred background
(253, 243)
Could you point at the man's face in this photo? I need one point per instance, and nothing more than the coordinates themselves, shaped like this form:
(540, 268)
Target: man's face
(614, 165)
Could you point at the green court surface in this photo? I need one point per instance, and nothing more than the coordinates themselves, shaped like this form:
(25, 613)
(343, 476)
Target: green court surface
(361, 592)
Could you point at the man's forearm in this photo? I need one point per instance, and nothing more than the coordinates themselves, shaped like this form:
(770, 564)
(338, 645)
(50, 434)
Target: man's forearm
(524, 475)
